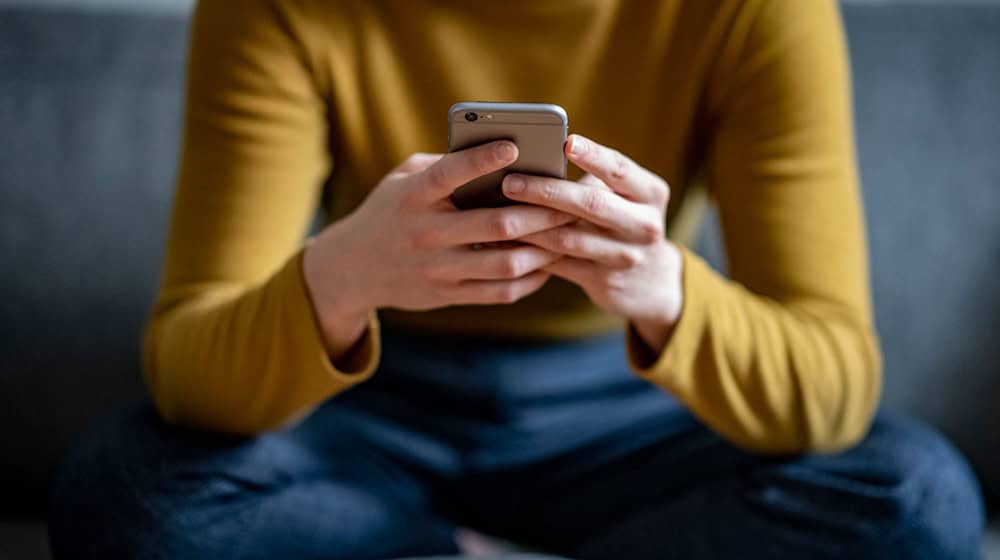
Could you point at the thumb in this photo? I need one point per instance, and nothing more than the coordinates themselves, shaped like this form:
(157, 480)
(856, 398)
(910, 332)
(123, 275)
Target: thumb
(455, 169)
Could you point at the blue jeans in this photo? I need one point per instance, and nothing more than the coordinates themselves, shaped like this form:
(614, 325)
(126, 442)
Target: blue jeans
(555, 445)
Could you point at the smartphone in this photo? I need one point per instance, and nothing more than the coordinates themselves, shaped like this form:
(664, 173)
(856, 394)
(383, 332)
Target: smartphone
(538, 130)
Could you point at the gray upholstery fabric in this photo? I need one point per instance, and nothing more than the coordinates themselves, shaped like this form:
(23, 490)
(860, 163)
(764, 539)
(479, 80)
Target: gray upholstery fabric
(89, 118)
(89, 111)
(929, 137)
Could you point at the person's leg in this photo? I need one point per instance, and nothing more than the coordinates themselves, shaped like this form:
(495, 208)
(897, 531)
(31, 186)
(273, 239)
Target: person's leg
(138, 488)
(902, 493)
(562, 447)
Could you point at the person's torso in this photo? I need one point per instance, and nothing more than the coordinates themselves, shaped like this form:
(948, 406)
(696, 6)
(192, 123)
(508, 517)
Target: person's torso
(631, 75)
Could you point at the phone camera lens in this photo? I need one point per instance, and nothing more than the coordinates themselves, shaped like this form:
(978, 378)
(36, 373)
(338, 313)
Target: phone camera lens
(471, 117)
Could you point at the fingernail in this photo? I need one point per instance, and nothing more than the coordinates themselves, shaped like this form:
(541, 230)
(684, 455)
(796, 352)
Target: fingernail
(505, 150)
(579, 146)
(515, 184)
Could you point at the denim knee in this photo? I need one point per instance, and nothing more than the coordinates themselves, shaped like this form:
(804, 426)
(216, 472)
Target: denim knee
(137, 487)
(939, 506)
(903, 492)
(121, 482)
(87, 496)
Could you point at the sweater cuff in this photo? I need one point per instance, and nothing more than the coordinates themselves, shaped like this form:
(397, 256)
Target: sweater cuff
(679, 355)
(356, 365)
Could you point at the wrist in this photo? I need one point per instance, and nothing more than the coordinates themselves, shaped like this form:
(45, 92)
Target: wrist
(656, 329)
(655, 334)
(333, 276)
(340, 308)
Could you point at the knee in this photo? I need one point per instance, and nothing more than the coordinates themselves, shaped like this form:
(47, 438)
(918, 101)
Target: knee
(118, 488)
(935, 502)
(94, 485)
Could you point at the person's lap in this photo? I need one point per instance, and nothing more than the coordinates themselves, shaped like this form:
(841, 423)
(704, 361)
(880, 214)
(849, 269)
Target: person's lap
(902, 493)
(556, 446)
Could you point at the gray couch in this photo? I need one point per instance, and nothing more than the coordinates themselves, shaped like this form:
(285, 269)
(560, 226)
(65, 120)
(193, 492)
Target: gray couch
(89, 107)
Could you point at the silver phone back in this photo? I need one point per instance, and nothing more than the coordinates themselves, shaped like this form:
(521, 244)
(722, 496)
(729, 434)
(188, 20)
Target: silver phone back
(538, 129)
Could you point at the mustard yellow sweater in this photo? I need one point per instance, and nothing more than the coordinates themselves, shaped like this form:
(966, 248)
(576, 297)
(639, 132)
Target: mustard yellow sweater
(294, 105)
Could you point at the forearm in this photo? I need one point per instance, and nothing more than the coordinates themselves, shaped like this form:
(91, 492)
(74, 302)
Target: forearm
(246, 360)
(770, 376)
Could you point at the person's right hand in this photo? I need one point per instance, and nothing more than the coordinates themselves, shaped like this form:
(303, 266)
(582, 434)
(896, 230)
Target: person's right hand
(407, 246)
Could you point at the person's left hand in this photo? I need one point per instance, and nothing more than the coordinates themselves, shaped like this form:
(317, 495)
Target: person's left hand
(617, 251)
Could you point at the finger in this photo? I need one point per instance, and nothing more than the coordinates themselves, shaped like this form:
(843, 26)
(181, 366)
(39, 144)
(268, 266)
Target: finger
(589, 179)
(494, 292)
(580, 272)
(484, 225)
(619, 172)
(455, 169)
(594, 204)
(417, 163)
(586, 243)
(493, 264)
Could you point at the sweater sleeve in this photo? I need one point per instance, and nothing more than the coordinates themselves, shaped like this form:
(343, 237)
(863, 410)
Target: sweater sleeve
(232, 343)
(783, 357)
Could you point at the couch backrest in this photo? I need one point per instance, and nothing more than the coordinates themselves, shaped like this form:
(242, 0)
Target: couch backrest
(928, 116)
(89, 126)
(89, 117)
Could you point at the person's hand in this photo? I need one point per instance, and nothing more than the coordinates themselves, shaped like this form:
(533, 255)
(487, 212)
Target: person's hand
(407, 246)
(617, 251)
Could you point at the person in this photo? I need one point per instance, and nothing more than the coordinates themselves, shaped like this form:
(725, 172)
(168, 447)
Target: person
(565, 374)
